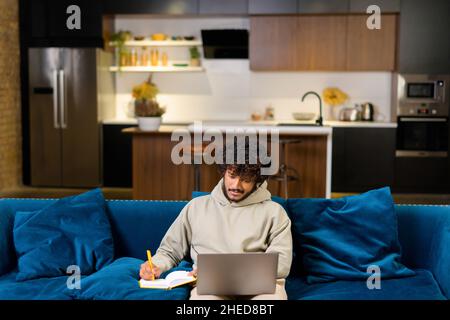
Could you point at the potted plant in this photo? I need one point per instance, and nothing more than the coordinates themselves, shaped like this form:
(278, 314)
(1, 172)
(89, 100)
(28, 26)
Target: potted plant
(146, 108)
(118, 39)
(195, 56)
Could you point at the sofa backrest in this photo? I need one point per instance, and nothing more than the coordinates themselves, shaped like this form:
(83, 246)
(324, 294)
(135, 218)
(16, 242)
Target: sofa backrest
(140, 225)
(136, 225)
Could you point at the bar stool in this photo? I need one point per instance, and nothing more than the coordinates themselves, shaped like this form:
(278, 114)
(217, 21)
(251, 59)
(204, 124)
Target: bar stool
(285, 173)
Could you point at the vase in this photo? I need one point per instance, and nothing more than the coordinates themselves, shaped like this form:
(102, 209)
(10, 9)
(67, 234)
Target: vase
(149, 123)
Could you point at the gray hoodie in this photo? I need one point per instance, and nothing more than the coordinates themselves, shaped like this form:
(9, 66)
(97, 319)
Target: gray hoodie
(213, 224)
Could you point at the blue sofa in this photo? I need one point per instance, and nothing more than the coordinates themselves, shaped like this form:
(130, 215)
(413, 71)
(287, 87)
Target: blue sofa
(424, 234)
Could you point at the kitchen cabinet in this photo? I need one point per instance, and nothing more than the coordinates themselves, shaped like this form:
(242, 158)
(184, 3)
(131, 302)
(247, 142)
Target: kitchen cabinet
(424, 45)
(360, 6)
(422, 175)
(368, 49)
(117, 156)
(323, 6)
(170, 7)
(273, 43)
(322, 42)
(363, 159)
(219, 7)
(328, 53)
(272, 6)
(48, 23)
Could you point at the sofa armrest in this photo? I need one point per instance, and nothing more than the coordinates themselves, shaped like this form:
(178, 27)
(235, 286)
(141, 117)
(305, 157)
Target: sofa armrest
(424, 233)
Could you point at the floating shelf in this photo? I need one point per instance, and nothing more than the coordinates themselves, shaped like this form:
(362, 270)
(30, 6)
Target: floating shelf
(165, 43)
(156, 69)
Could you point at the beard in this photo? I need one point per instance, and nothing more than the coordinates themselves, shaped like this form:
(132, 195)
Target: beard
(225, 192)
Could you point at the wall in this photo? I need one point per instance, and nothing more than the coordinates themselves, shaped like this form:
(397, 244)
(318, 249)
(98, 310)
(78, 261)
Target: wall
(228, 90)
(10, 134)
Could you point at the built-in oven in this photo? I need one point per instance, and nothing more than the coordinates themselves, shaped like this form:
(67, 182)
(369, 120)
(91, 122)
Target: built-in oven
(422, 137)
(422, 115)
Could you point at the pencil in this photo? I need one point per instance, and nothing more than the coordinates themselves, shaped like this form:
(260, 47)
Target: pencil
(149, 258)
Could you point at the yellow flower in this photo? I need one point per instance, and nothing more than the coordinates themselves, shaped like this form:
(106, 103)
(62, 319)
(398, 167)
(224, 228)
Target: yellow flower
(145, 91)
(334, 96)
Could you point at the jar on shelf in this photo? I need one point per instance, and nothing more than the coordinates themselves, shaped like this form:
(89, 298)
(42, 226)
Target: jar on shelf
(124, 58)
(154, 56)
(134, 57)
(144, 57)
(164, 59)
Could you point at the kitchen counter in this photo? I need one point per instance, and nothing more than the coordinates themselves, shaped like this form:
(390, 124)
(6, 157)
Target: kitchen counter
(265, 124)
(282, 130)
(156, 176)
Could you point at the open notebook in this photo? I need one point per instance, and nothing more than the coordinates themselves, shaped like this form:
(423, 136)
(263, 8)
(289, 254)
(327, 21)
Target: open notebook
(172, 280)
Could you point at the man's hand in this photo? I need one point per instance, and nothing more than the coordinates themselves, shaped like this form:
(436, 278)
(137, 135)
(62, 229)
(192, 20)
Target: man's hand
(193, 273)
(147, 274)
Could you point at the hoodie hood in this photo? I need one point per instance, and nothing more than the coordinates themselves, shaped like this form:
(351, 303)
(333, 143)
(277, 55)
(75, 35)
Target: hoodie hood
(261, 194)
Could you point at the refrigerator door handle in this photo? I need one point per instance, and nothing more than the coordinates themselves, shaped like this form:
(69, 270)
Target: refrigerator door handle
(55, 99)
(62, 99)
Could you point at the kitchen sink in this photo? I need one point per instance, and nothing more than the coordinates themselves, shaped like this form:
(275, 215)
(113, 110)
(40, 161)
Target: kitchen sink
(298, 124)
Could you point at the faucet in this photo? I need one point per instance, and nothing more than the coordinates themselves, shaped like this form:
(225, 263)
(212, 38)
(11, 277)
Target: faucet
(320, 120)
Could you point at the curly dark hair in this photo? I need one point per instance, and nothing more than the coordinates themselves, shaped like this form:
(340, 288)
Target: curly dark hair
(246, 171)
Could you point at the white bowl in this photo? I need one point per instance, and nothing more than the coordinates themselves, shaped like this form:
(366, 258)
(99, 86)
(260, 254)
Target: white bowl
(302, 116)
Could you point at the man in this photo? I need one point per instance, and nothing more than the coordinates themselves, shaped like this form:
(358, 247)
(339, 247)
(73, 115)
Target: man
(239, 216)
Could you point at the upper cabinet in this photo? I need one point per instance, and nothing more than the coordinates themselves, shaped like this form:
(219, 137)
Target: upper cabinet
(223, 7)
(274, 45)
(368, 49)
(62, 23)
(322, 42)
(424, 45)
(323, 6)
(272, 6)
(386, 6)
(170, 7)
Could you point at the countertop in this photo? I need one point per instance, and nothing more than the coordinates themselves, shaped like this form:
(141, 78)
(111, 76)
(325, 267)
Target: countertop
(263, 124)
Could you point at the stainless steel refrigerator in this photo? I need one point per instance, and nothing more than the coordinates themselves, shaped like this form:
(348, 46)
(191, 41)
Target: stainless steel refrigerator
(64, 117)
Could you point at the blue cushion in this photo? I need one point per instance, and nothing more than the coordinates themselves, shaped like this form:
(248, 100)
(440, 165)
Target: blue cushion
(72, 231)
(340, 238)
(119, 281)
(36, 289)
(422, 286)
(140, 225)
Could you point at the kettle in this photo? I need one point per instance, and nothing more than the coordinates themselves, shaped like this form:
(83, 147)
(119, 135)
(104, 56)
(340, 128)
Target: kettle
(367, 111)
(350, 114)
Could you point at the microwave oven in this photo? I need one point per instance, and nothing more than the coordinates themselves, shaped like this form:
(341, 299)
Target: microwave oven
(422, 95)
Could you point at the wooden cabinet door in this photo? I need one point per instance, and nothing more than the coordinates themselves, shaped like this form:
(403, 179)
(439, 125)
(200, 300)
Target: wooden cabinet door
(369, 50)
(321, 42)
(273, 43)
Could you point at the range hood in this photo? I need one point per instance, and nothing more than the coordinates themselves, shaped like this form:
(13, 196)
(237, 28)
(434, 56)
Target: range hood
(225, 43)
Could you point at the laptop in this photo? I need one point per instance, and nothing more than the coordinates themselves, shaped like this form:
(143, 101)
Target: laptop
(237, 273)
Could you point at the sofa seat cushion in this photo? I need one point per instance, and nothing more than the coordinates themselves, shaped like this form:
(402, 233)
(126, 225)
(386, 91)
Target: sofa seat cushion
(421, 286)
(119, 281)
(36, 289)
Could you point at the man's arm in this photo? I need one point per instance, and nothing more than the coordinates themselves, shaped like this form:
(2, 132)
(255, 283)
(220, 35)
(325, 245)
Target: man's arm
(175, 244)
(280, 241)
